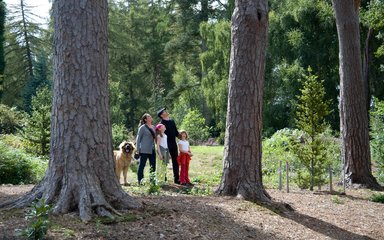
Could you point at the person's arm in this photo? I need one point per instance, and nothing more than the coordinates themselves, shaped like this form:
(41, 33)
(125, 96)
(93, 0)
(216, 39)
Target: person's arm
(158, 146)
(177, 134)
(189, 150)
(138, 139)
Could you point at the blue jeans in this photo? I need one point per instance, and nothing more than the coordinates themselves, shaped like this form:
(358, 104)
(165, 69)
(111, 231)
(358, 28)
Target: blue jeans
(143, 161)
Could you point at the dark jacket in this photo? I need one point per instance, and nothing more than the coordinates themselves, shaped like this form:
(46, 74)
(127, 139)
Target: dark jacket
(171, 131)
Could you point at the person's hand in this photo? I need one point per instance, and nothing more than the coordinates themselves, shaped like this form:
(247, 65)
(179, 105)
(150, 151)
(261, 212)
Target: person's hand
(190, 154)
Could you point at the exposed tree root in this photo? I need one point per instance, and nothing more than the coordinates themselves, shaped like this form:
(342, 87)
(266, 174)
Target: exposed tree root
(88, 199)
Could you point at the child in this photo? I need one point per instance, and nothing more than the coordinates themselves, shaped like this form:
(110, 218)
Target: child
(184, 158)
(162, 150)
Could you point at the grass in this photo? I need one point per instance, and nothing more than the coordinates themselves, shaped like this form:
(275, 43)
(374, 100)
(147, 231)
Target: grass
(377, 197)
(204, 171)
(337, 200)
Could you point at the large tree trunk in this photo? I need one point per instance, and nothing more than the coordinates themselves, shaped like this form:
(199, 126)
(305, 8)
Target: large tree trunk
(242, 155)
(353, 109)
(81, 174)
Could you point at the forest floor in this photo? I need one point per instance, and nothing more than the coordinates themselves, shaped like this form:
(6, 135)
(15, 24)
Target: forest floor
(175, 214)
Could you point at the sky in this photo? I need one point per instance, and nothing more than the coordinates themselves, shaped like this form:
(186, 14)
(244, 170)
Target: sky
(41, 7)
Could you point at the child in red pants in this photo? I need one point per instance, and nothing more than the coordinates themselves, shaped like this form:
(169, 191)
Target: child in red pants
(184, 158)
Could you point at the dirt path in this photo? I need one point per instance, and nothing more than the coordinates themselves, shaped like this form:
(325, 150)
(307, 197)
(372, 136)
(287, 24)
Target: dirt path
(179, 216)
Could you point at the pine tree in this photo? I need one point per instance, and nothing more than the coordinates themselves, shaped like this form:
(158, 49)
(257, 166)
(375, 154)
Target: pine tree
(312, 109)
(37, 130)
(23, 39)
(2, 61)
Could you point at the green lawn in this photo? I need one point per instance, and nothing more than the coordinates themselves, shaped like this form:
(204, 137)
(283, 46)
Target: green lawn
(204, 171)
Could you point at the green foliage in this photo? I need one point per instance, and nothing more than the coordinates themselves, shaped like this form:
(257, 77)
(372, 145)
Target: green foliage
(39, 81)
(289, 145)
(24, 39)
(38, 128)
(377, 197)
(119, 134)
(194, 124)
(373, 18)
(38, 221)
(275, 149)
(153, 188)
(186, 90)
(280, 89)
(301, 34)
(377, 136)
(139, 74)
(215, 66)
(10, 119)
(337, 200)
(2, 41)
(17, 167)
(312, 108)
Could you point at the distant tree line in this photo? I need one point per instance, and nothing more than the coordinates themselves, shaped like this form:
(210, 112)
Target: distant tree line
(175, 53)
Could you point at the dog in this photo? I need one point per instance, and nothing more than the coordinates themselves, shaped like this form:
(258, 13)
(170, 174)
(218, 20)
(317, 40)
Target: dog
(123, 159)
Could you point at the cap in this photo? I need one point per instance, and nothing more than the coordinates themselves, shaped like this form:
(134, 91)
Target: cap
(160, 111)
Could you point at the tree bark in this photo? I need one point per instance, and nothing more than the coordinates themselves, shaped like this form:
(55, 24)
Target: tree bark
(242, 153)
(354, 125)
(81, 174)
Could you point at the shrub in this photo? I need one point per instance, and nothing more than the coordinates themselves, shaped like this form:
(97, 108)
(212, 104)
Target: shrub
(154, 187)
(38, 222)
(37, 130)
(377, 197)
(377, 136)
(119, 134)
(17, 167)
(275, 149)
(288, 145)
(194, 124)
(10, 119)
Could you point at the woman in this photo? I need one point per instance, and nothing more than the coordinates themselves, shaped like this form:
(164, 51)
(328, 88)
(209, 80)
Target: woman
(146, 145)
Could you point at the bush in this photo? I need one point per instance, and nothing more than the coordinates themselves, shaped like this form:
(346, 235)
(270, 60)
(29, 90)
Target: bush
(17, 167)
(119, 134)
(194, 124)
(10, 119)
(38, 221)
(275, 149)
(377, 136)
(37, 131)
(287, 145)
(377, 197)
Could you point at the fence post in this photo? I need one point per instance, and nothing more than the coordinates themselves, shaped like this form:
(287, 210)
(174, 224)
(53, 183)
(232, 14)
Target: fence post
(280, 176)
(287, 165)
(330, 179)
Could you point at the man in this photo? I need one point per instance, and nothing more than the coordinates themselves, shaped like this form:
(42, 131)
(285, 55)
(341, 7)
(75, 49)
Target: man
(172, 133)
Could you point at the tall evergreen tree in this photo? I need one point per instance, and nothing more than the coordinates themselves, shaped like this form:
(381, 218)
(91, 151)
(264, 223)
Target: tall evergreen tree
(39, 79)
(80, 175)
(22, 41)
(37, 130)
(215, 67)
(353, 109)
(312, 109)
(301, 34)
(372, 28)
(2, 42)
(242, 153)
(138, 34)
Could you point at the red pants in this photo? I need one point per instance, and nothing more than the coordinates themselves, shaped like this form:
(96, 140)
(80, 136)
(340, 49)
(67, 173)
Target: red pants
(184, 160)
